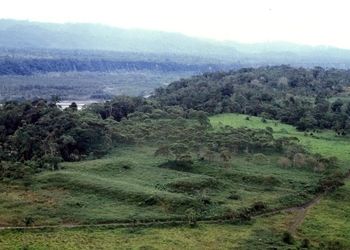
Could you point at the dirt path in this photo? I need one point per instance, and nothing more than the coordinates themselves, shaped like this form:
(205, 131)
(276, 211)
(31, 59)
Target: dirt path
(301, 213)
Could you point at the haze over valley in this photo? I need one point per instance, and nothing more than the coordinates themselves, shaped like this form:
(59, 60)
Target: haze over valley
(39, 58)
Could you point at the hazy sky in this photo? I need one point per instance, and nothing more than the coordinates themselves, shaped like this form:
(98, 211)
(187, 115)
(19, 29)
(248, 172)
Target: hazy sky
(315, 22)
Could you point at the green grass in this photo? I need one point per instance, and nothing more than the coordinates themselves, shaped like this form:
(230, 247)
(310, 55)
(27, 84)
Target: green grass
(202, 237)
(169, 238)
(128, 184)
(326, 142)
(328, 222)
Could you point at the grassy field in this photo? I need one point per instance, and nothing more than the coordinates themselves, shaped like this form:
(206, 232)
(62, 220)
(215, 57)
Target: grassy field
(202, 237)
(130, 184)
(328, 222)
(323, 142)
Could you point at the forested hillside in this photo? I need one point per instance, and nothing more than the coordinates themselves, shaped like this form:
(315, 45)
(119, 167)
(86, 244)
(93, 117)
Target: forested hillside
(307, 98)
(29, 67)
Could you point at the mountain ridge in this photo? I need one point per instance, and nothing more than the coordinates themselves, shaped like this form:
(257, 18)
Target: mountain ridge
(15, 34)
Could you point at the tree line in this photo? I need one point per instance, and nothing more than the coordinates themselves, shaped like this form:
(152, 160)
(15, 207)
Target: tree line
(23, 66)
(298, 96)
(38, 135)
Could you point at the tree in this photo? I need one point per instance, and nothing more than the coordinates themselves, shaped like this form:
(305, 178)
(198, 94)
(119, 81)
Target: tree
(225, 156)
(179, 149)
(203, 119)
(337, 105)
(73, 106)
(306, 122)
(55, 99)
(163, 150)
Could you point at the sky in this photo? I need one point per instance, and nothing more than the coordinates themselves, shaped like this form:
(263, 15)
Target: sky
(311, 22)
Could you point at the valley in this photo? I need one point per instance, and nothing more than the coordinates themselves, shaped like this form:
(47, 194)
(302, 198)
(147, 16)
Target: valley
(127, 138)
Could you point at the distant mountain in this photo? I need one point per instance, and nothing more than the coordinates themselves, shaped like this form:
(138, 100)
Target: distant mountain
(25, 34)
(273, 53)
(16, 34)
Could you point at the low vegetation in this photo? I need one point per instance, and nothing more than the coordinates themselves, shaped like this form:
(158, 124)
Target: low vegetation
(141, 160)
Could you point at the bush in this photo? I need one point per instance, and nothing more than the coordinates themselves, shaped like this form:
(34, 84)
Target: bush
(269, 129)
(257, 207)
(305, 243)
(299, 160)
(234, 196)
(243, 215)
(284, 162)
(177, 165)
(260, 158)
(333, 245)
(271, 181)
(294, 199)
(28, 221)
(331, 182)
(16, 170)
(261, 180)
(126, 165)
(191, 217)
(287, 238)
(192, 184)
(151, 201)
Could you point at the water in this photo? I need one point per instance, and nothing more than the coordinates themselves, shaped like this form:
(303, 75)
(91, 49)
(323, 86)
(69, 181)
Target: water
(80, 104)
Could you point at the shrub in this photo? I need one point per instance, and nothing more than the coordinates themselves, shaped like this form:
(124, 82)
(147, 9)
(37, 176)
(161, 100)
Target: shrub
(305, 243)
(271, 181)
(269, 129)
(332, 245)
(312, 163)
(234, 196)
(260, 158)
(284, 162)
(229, 214)
(28, 221)
(299, 160)
(331, 182)
(257, 206)
(287, 238)
(191, 217)
(191, 184)
(294, 199)
(243, 215)
(126, 165)
(151, 201)
(261, 180)
(15, 170)
(330, 162)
